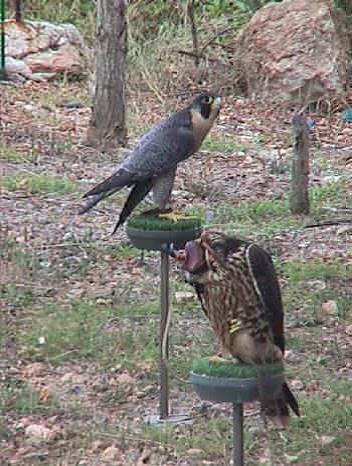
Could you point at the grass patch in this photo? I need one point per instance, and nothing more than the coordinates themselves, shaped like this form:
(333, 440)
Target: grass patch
(301, 297)
(330, 193)
(85, 330)
(122, 250)
(268, 216)
(253, 219)
(209, 438)
(223, 145)
(10, 155)
(17, 395)
(320, 417)
(302, 271)
(17, 296)
(37, 184)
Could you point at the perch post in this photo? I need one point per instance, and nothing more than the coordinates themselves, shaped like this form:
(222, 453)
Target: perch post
(299, 200)
(235, 383)
(164, 321)
(3, 75)
(237, 421)
(152, 234)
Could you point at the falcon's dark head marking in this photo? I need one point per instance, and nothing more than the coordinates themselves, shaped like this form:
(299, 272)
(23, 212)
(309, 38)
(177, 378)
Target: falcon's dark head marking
(204, 109)
(207, 105)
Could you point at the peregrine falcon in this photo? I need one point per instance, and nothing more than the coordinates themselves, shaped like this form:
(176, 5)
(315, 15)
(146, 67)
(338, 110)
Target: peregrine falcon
(237, 286)
(153, 163)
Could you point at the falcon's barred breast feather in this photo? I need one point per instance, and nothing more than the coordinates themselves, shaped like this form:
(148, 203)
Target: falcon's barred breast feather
(153, 163)
(236, 283)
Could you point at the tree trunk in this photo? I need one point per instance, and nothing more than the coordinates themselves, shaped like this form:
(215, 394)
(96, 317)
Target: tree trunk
(299, 202)
(107, 124)
(17, 10)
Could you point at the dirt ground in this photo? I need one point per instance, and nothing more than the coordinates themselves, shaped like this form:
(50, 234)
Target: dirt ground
(79, 322)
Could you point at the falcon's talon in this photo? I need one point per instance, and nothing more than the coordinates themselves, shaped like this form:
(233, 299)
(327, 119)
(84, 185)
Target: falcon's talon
(217, 359)
(174, 217)
(234, 326)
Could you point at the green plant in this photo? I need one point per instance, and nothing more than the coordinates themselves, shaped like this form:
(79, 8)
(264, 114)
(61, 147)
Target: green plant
(39, 183)
(8, 154)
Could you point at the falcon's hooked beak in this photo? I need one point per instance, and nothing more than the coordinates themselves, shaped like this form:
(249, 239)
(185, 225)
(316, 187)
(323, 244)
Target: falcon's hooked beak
(194, 256)
(192, 259)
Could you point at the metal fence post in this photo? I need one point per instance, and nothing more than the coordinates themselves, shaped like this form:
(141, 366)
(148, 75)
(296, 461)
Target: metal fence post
(2, 34)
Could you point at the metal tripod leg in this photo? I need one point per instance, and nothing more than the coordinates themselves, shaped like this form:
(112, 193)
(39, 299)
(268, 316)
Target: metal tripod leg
(237, 420)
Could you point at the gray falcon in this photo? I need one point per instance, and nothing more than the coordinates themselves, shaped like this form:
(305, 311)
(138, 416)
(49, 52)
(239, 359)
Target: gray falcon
(153, 163)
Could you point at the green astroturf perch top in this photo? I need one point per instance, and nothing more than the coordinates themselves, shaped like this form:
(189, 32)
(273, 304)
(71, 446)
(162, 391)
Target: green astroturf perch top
(154, 223)
(227, 368)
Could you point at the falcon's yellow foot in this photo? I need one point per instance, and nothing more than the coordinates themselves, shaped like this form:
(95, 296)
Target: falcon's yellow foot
(234, 326)
(216, 359)
(175, 217)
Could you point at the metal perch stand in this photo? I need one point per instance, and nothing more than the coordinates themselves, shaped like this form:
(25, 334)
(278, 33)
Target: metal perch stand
(160, 241)
(237, 421)
(164, 327)
(236, 391)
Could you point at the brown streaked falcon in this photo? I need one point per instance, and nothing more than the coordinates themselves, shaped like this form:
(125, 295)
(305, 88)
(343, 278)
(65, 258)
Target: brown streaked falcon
(237, 286)
(153, 163)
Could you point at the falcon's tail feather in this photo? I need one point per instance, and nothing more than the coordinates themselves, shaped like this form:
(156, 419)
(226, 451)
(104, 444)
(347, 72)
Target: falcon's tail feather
(113, 183)
(137, 194)
(290, 399)
(277, 410)
(95, 200)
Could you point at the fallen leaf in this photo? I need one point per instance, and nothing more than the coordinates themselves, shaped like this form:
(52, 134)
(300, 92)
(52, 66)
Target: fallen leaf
(194, 451)
(183, 296)
(110, 453)
(329, 308)
(291, 459)
(326, 439)
(37, 433)
(45, 393)
(125, 379)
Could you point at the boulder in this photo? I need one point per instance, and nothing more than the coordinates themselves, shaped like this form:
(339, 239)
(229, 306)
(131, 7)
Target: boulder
(35, 49)
(296, 51)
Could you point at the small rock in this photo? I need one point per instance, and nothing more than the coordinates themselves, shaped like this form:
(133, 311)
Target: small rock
(183, 296)
(41, 340)
(326, 439)
(38, 433)
(96, 445)
(46, 393)
(318, 285)
(103, 301)
(291, 459)
(71, 377)
(194, 451)
(125, 379)
(348, 330)
(329, 308)
(110, 453)
(35, 369)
